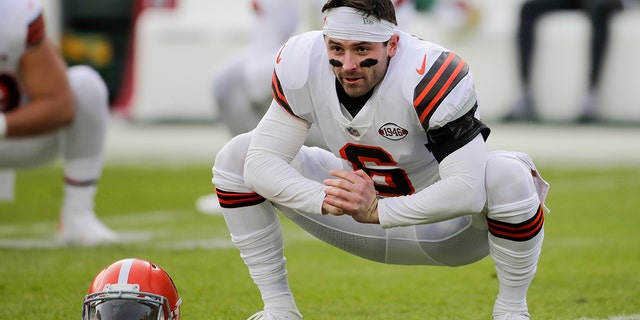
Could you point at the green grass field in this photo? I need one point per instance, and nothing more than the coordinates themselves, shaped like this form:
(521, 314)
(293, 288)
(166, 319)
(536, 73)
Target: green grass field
(589, 268)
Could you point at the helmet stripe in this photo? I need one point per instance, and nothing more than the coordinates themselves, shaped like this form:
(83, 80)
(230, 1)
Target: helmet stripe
(123, 277)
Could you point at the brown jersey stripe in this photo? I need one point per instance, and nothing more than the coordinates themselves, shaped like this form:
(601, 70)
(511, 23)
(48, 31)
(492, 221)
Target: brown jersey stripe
(278, 94)
(518, 232)
(237, 199)
(448, 70)
(36, 31)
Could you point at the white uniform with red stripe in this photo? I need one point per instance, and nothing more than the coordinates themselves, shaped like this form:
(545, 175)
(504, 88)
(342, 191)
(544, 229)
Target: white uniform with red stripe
(425, 88)
(387, 137)
(446, 200)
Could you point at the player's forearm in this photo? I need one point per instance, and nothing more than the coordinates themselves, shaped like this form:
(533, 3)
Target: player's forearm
(461, 191)
(38, 117)
(276, 180)
(50, 99)
(275, 142)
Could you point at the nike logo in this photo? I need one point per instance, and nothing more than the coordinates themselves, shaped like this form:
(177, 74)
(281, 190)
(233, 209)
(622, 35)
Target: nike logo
(279, 58)
(423, 66)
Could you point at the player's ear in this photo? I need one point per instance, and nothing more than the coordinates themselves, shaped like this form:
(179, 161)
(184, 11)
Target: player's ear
(392, 45)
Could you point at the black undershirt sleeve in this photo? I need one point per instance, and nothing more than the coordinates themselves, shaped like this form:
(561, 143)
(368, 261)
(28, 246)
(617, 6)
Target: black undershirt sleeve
(455, 134)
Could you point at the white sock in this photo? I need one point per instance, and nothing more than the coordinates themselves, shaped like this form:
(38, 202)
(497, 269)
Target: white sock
(78, 200)
(515, 270)
(516, 261)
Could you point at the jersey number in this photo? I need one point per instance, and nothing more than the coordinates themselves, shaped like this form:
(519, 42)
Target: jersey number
(389, 182)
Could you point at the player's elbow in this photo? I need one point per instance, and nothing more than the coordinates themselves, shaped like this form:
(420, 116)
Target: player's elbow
(51, 112)
(62, 111)
(67, 111)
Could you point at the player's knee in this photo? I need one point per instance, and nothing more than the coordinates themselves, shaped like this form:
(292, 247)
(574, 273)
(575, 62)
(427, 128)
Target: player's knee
(507, 181)
(89, 89)
(86, 80)
(228, 167)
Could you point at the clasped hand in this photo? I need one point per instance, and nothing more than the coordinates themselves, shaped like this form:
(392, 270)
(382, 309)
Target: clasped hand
(352, 193)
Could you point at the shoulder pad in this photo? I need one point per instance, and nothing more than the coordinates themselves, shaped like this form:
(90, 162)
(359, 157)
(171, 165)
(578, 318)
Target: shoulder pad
(294, 59)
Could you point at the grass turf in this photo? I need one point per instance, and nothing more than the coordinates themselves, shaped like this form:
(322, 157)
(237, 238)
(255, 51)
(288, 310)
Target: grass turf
(588, 268)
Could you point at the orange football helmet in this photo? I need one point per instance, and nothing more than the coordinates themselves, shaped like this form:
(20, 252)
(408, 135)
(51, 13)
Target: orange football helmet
(132, 289)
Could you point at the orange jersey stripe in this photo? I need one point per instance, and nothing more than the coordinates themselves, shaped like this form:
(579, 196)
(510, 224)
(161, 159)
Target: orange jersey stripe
(278, 94)
(445, 74)
(432, 81)
(441, 93)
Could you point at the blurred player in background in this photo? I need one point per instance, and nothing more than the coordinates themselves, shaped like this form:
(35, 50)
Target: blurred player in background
(48, 112)
(132, 289)
(408, 179)
(600, 13)
(242, 87)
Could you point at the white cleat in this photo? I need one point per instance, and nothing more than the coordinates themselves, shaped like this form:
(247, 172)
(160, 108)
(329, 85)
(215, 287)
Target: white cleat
(84, 230)
(275, 315)
(511, 316)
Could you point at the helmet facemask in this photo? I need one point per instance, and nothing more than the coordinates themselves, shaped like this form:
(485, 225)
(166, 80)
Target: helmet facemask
(125, 302)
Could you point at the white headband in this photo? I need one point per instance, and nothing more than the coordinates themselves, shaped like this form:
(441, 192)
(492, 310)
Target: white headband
(346, 23)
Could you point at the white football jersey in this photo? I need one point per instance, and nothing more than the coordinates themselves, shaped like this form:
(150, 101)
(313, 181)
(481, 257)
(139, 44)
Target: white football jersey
(426, 86)
(21, 26)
